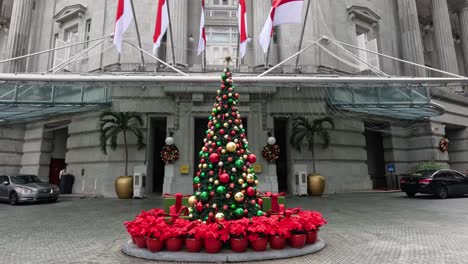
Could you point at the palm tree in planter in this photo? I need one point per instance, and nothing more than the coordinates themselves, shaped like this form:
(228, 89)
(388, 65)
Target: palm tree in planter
(303, 128)
(111, 125)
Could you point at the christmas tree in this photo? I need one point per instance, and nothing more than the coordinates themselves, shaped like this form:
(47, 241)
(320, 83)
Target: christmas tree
(225, 184)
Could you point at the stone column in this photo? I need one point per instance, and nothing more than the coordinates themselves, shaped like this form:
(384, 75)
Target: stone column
(443, 37)
(178, 13)
(261, 10)
(18, 37)
(411, 37)
(464, 32)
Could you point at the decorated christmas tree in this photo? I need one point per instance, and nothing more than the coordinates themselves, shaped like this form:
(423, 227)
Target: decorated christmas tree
(225, 184)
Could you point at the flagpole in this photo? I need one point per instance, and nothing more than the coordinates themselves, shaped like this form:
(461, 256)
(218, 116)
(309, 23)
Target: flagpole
(170, 34)
(143, 64)
(296, 66)
(267, 60)
(238, 53)
(204, 59)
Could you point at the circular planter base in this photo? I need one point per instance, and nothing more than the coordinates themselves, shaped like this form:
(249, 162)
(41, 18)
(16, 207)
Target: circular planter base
(224, 256)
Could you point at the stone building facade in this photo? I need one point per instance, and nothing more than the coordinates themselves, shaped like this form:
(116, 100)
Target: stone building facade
(432, 33)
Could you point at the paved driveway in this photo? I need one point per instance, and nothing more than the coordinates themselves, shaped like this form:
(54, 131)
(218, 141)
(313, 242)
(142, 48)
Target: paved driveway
(363, 228)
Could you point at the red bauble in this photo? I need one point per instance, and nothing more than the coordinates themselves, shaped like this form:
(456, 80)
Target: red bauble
(223, 86)
(221, 132)
(199, 206)
(230, 121)
(253, 202)
(252, 158)
(198, 173)
(224, 178)
(260, 201)
(225, 97)
(202, 161)
(225, 207)
(212, 193)
(213, 145)
(230, 89)
(211, 173)
(233, 133)
(232, 185)
(229, 159)
(210, 215)
(246, 211)
(250, 191)
(237, 121)
(214, 158)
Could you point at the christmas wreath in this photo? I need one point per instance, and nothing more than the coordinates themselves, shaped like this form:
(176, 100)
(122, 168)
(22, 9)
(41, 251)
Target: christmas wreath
(169, 154)
(271, 152)
(443, 144)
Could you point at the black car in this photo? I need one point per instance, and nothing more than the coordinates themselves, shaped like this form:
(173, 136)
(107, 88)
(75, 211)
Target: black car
(442, 183)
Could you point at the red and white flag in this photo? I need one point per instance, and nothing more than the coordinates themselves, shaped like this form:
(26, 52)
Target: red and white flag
(162, 21)
(243, 35)
(202, 39)
(282, 12)
(122, 21)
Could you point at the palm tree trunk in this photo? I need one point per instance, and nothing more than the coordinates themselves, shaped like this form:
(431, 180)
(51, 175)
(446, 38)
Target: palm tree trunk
(313, 160)
(126, 153)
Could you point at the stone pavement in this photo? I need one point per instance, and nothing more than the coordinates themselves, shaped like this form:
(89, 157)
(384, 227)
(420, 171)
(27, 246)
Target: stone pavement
(363, 228)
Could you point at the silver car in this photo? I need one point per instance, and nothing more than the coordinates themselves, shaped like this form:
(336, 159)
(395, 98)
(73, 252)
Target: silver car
(26, 188)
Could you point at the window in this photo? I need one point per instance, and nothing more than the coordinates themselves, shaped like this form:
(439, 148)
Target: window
(222, 3)
(4, 179)
(70, 36)
(87, 33)
(221, 42)
(365, 41)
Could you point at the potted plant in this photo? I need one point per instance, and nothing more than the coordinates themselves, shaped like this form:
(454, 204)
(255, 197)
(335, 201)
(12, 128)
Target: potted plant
(258, 231)
(175, 233)
(312, 221)
(155, 239)
(303, 128)
(111, 125)
(146, 225)
(194, 238)
(214, 234)
(297, 236)
(280, 232)
(237, 235)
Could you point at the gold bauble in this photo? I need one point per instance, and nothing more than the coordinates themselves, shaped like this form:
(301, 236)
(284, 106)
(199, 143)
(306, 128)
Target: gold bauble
(250, 178)
(240, 181)
(245, 157)
(219, 216)
(216, 182)
(199, 166)
(215, 137)
(239, 197)
(205, 166)
(256, 182)
(223, 151)
(212, 133)
(192, 200)
(225, 124)
(231, 147)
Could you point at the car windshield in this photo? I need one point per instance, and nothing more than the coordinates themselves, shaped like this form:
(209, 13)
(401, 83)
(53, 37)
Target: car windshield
(25, 179)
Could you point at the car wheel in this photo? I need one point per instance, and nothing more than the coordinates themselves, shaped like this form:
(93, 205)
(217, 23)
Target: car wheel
(410, 194)
(13, 198)
(442, 192)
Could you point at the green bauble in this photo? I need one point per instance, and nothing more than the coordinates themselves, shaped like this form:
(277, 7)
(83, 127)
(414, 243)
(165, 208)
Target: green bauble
(252, 170)
(233, 206)
(230, 100)
(246, 146)
(259, 213)
(221, 190)
(223, 76)
(218, 143)
(239, 163)
(217, 126)
(202, 174)
(243, 130)
(210, 187)
(232, 178)
(210, 166)
(196, 180)
(239, 212)
(204, 196)
(200, 154)
(210, 118)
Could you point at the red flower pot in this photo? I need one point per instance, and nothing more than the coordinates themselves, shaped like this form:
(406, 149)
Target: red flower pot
(277, 242)
(311, 236)
(239, 245)
(154, 244)
(212, 245)
(140, 242)
(193, 245)
(174, 244)
(259, 244)
(297, 240)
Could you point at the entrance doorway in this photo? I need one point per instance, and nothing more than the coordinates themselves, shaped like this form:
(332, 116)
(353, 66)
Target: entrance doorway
(57, 157)
(281, 132)
(375, 158)
(159, 127)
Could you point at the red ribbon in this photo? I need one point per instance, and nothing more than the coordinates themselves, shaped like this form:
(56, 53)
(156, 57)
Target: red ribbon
(286, 213)
(275, 206)
(178, 208)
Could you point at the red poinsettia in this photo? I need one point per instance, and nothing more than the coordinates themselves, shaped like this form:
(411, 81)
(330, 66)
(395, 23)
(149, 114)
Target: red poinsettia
(214, 230)
(312, 220)
(147, 224)
(176, 228)
(260, 226)
(238, 228)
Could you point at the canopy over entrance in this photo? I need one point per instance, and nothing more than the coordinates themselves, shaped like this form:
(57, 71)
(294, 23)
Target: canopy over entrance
(28, 97)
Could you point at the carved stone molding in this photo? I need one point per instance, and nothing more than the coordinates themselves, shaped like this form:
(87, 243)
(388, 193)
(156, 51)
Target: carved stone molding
(363, 14)
(70, 12)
